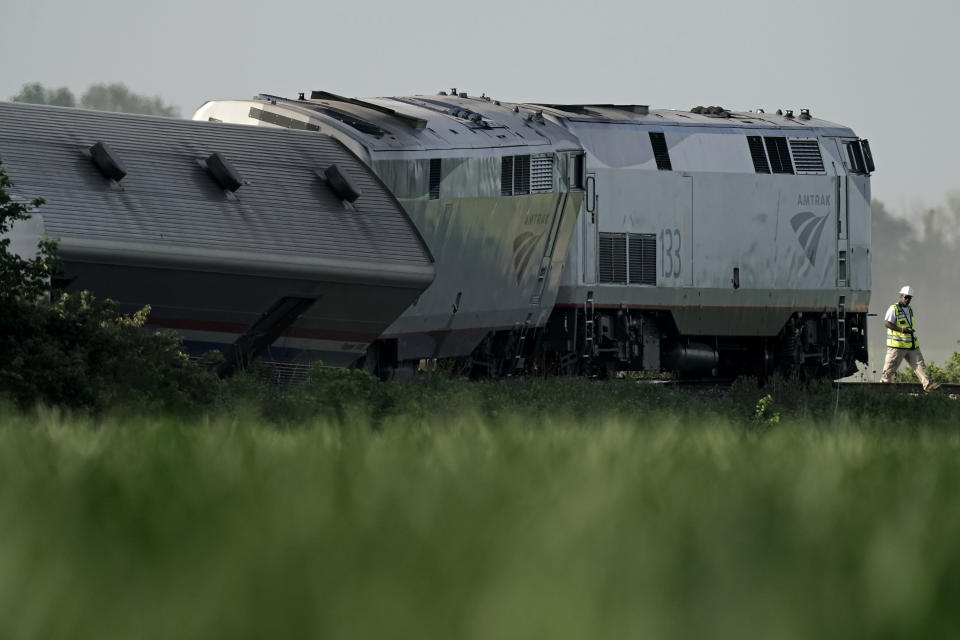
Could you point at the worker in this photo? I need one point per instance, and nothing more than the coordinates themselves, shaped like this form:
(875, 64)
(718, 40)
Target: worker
(902, 343)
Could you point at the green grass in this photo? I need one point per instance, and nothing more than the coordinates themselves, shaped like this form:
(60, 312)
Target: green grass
(694, 521)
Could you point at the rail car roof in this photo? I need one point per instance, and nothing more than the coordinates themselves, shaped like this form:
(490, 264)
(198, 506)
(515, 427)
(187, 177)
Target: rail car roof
(169, 211)
(454, 121)
(641, 114)
(421, 122)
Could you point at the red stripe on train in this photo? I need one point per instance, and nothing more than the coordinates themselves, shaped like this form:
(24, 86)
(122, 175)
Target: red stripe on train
(238, 328)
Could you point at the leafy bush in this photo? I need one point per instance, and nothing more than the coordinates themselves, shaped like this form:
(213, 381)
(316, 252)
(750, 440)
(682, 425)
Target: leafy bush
(77, 351)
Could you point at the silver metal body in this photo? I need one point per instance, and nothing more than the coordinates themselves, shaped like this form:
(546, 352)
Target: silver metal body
(492, 189)
(713, 212)
(738, 248)
(706, 241)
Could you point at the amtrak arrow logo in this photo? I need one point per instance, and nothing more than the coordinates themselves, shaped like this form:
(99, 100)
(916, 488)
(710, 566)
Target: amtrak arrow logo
(523, 248)
(808, 228)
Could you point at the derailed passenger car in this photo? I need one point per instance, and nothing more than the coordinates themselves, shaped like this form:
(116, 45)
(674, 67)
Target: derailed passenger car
(242, 240)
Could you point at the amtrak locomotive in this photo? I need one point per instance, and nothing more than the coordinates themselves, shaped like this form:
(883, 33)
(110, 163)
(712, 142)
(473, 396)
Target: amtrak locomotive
(586, 239)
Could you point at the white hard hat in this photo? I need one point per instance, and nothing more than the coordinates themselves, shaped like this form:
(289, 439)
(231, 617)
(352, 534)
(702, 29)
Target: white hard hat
(907, 291)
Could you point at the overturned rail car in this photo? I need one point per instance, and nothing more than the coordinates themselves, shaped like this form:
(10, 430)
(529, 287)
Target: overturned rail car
(248, 241)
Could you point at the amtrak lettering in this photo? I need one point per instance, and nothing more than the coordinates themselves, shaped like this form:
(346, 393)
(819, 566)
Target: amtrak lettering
(813, 200)
(536, 218)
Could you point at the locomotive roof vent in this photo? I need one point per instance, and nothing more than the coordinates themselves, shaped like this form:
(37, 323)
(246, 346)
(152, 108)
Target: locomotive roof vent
(108, 162)
(805, 114)
(789, 114)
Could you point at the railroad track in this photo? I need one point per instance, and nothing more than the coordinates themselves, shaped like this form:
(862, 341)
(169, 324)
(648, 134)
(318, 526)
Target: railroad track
(899, 387)
(951, 389)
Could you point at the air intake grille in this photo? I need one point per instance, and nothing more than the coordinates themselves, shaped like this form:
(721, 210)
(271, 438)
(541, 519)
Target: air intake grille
(806, 155)
(541, 173)
(779, 154)
(434, 178)
(642, 254)
(515, 176)
(613, 257)
(758, 154)
(506, 176)
(660, 152)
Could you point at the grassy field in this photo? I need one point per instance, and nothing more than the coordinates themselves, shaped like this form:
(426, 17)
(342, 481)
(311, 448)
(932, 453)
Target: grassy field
(752, 516)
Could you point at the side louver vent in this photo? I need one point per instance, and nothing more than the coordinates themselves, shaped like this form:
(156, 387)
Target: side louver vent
(759, 156)
(541, 173)
(434, 178)
(515, 176)
(660, 151)
(613, 257)
(779, 154)
(642, 258)
(806, 155)
(506, 176)
(521, 175)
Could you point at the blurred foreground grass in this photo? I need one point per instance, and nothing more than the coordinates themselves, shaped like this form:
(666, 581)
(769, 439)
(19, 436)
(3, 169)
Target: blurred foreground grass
(672, 523)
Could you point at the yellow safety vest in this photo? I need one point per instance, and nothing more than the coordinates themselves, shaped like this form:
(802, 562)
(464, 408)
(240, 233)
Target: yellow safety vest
(899, 339)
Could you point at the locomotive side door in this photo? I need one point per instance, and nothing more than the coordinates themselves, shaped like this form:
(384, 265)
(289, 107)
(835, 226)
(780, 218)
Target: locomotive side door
(676, 236)
(589, 240)
(843, 220)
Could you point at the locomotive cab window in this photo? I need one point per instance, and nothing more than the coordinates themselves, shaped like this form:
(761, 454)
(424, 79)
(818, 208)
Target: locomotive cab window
(855, 157)
(868, 155)
(577, 168)
(859, 156)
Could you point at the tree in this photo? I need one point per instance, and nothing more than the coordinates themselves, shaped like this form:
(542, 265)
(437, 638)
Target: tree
(36, 93)
(71, 349)
(20, 278)
(103, 97)
(117, 97)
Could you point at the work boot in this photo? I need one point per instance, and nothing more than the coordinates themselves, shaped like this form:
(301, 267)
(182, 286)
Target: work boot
(932, 386)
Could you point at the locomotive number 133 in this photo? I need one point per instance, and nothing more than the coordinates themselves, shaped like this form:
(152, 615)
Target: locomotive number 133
(670, 253)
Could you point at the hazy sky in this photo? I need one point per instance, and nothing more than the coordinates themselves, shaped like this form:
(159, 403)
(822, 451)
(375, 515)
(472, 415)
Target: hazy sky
(886, 69)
